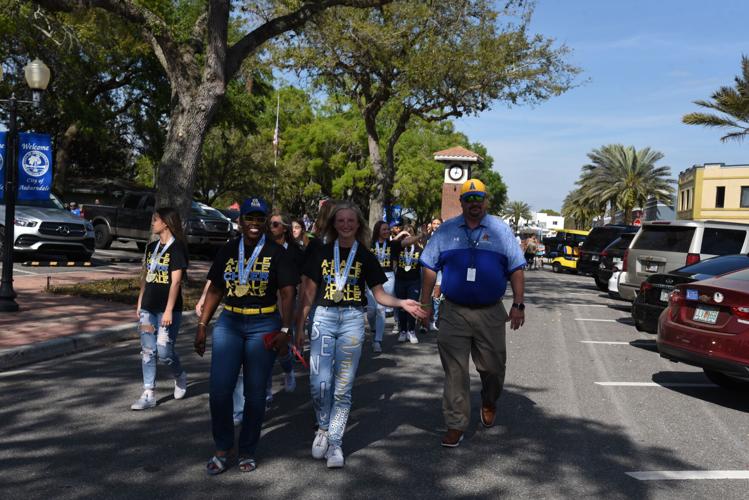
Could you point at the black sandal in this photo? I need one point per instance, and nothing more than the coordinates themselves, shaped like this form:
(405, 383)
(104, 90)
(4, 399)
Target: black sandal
(247, 464)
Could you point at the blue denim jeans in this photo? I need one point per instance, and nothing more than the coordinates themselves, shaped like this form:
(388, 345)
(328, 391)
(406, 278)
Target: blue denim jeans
(335, 349)
(238, 342)
(157, 342)
(407, 289)
(375, 311)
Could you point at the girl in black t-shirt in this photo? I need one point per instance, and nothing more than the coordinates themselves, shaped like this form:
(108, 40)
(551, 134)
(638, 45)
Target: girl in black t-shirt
(247, 274)
(160, 304)
(337, 276)
(407, 280)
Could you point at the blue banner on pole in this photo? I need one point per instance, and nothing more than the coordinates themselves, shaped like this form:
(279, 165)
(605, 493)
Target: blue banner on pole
(34, 166)
(3, 161)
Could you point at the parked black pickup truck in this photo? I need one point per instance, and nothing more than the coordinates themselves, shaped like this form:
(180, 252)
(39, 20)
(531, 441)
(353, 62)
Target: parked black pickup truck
(131, 221)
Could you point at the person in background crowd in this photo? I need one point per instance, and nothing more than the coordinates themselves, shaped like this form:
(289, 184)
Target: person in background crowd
(338, 274)
(159, 306)
(248, 273)
(75, 209)
(476, 253)
(436, 223)
(407, 279)
(299, 233)
(383, 248)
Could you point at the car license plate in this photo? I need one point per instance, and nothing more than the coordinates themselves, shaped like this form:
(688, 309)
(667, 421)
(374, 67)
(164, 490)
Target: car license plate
(664, 295)
(692, 294)
(651, 267)
(705, 315)
(594, 258)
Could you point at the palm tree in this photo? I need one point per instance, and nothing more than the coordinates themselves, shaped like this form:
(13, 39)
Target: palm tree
(625, 177)
(516, 210)
(732, 104)
(578, 209)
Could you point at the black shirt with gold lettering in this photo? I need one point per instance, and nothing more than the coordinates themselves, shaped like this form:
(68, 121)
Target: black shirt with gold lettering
(365, 272)
(273, 269)
(156, 292)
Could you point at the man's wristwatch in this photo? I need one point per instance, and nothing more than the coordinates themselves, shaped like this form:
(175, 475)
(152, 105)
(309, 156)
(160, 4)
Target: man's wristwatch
(519, 307)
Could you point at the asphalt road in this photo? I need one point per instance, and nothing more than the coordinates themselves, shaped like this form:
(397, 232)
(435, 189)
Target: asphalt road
(67, 431)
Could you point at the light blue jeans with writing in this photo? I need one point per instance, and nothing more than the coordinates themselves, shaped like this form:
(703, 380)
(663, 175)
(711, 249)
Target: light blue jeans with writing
(335, 349)
(375, 311)
(157, 342)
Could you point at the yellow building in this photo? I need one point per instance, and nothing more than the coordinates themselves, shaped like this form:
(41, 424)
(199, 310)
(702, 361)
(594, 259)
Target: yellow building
(714, 191)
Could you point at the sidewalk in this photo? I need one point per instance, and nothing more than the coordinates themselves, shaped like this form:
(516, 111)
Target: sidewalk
(49, 325)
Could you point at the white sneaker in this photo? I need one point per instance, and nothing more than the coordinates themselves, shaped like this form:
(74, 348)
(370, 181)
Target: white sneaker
(237, 421)
(402, 337)
(320, 444)
(335, 457)
(376, 347)
(147, 400)
(412, 337)
(180, 386)
(289, 381)
(433, 326)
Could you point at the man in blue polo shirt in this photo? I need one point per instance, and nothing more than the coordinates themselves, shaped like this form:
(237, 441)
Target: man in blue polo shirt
(476, 253)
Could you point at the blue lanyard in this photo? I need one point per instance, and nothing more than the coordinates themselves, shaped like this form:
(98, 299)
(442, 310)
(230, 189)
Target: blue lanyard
(473, 244)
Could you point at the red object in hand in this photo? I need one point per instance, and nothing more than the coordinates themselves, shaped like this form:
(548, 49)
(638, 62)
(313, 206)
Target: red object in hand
(270, 338)
(299, 356)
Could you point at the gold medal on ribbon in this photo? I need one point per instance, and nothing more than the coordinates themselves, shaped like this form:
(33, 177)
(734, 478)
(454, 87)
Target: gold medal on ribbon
(241, 290)
(337, 296)
(150, 277)
(407, 268)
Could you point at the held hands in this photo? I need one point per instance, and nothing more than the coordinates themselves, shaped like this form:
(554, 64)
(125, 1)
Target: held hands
(516, 318)
(199, 343)
(415, 309)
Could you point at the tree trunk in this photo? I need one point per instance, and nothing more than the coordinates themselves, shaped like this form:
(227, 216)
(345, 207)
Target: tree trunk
(190, 119)
(381, 192)
(62, 159)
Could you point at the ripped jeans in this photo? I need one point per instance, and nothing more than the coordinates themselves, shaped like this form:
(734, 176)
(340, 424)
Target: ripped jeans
(157, 342)
(335, 349)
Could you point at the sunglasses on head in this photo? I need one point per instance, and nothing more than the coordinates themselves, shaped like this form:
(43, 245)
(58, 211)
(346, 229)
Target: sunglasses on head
(473, 198)
(254, 219)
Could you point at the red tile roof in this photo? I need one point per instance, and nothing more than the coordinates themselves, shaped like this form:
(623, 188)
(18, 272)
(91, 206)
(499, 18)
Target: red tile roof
(457, 152)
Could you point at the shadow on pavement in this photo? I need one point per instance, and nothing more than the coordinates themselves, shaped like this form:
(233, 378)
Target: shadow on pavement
(716, 395)
(68, 433)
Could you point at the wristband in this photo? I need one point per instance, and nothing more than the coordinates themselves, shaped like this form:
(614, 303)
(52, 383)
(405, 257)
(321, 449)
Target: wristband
(520, 306)
(201, 323)
(285, 331)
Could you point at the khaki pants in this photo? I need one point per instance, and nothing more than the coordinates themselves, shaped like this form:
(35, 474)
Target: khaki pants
(480, 333)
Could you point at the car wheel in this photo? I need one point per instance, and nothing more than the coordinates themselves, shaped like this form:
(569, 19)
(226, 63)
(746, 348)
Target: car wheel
(726, 381)
(102, 236)
(602, 286)
(556, 267)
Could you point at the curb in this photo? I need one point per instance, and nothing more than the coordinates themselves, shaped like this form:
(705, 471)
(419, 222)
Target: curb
(14, 357)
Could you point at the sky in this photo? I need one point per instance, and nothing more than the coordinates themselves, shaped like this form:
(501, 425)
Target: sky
(643, 64)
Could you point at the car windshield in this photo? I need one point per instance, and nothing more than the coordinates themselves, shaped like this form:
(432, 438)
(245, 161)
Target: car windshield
(665, 238)
(716, 265)
(52, 202)
(622, 242)
(197, 209)
(599, 237)
(212, 211)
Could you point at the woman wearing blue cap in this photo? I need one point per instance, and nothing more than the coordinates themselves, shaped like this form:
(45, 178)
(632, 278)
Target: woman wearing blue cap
(246, 274)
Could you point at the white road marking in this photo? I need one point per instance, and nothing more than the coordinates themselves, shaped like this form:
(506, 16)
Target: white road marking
(668, 475)
(598, 320)
(603, 342)
(654, 384)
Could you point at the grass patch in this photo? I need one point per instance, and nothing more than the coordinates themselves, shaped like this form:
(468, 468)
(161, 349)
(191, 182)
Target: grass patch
(125, 291)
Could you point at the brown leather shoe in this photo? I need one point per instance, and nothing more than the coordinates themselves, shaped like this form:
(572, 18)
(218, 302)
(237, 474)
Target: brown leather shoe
(453, 438)
(488, 415)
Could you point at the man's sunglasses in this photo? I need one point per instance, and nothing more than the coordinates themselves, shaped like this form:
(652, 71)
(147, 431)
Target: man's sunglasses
(473, 198)
(254, 219)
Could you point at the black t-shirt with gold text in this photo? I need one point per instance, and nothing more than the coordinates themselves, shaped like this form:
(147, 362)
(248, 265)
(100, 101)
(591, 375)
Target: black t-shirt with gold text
(273, 269)
(388, 251)
(414, 273)
(156, 293)
(365, 272)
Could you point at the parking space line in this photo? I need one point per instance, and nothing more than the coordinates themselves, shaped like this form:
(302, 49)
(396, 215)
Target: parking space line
(655, 384)
(603, 342)
(670, 475)
(598, 320)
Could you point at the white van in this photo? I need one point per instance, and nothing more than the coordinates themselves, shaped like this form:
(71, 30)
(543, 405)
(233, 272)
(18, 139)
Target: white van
(662, 246)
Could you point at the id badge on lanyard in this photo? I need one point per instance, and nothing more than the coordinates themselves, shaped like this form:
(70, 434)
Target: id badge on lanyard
(471, 271)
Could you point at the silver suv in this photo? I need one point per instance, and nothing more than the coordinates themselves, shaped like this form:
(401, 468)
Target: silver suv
(44, 226)
(662, 246)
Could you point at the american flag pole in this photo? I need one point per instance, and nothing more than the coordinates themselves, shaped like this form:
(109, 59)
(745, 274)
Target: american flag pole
(275, 149)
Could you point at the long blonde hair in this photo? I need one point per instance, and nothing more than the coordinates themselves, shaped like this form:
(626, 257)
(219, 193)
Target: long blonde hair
(362, 234)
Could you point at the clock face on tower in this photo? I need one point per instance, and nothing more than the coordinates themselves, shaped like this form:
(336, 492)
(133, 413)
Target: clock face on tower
(455, 172)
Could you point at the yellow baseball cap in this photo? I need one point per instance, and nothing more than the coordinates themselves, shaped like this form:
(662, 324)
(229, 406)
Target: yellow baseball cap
(473, 186)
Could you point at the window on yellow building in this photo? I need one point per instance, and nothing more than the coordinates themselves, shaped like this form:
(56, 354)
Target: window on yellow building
(720, 196)
(744, 197)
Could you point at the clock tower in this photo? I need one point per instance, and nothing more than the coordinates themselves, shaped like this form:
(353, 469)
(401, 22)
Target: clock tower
(458, 162)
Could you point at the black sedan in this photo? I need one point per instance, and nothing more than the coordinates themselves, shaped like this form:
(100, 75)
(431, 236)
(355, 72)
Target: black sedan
(654, 292)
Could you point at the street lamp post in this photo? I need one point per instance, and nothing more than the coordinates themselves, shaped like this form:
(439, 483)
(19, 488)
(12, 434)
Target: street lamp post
(37, 77)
